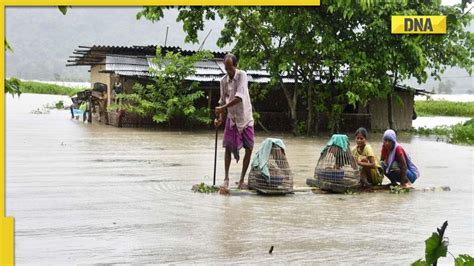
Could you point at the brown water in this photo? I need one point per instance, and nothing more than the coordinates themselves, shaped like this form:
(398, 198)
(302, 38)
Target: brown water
(89, 193)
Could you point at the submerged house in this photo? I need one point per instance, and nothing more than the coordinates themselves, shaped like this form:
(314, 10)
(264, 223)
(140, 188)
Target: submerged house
(118, 68)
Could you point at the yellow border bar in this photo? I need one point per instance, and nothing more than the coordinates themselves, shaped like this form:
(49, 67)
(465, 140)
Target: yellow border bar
(7, 248)
(2, 115)
(6, 223)
(162, 3)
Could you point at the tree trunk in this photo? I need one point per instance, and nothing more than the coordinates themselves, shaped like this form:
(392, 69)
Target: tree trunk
(292, 106)
(316, 123)
(294, 117)
(294, 120)
(292, 101)
(310, 110)
(391, 122)
(333, 117)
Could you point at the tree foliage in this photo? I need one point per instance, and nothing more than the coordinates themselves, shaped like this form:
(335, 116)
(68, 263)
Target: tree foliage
(339, 53)
(170, 96)
(382, 59)
(63, 9)
(12, 85)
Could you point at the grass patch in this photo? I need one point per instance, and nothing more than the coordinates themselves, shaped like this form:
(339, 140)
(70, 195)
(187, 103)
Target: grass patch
(459, 133)
(444, 108)
(44, 88)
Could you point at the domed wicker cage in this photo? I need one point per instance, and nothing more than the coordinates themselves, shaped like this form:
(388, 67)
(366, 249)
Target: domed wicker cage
(280, 179)
(337, 169)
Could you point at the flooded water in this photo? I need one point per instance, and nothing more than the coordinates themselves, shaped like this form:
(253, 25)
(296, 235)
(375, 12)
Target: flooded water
(434, 121)
(89, 193)
(447, 97)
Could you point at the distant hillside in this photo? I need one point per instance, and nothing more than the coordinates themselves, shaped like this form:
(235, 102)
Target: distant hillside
(43, 38)
(458, 79)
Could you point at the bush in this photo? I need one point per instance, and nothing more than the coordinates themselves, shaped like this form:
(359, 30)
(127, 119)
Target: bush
(459, 133)
(59, 105)
(170, 97)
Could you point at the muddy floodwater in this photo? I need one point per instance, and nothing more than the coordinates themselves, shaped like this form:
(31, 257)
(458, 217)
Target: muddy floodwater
(88, 193)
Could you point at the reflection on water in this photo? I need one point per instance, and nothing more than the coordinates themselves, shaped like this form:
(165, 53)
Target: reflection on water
(89, 193)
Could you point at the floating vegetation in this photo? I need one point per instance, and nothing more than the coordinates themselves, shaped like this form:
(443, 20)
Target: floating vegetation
(39, 111)
(203, 188)
(56, 105)
(398, 190)
(351, 192)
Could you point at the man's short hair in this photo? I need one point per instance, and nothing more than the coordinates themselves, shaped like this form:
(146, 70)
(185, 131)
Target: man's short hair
(233, 57)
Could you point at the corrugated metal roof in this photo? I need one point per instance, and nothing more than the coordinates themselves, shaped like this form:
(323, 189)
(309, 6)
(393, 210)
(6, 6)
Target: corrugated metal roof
(122, 67)
(257, 79)
(206, 70)
(93, 55)
(114, 63)
(258, 72)
(137, 60)
(131, 73)
(204, 78)
(208, 64)
(128, 60)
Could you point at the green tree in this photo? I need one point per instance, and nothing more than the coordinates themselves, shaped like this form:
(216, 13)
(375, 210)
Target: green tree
(260, 34)
(170, 96)
(350, 40)
(382, 59)
(289, 42)
(12, 85)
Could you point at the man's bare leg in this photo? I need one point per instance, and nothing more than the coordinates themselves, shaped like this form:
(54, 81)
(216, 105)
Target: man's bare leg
(227, 159)
(245, 165)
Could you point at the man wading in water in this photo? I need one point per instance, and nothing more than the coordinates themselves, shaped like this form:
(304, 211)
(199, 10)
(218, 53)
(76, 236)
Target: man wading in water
(238, 132)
